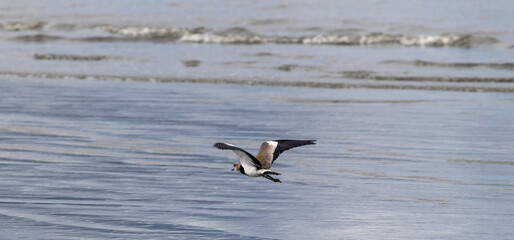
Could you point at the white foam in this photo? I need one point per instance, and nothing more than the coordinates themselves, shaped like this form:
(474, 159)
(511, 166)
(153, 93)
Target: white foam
(201, 36)
(21, 26)
(370, 39)
(143, 31)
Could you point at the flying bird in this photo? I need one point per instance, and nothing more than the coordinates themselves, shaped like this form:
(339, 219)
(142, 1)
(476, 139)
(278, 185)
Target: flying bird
(260, 165)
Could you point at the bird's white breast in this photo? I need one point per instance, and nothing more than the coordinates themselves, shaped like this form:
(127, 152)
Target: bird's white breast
(253, 172)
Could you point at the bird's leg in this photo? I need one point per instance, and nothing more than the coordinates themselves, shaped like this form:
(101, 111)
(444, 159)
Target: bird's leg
(265, 175)
(272, 173)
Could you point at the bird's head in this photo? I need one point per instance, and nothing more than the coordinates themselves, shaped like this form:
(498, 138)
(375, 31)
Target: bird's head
(237, 167)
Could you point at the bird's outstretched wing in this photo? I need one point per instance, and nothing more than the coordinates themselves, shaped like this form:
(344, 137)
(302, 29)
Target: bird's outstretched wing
(270, 150)
(244, 157)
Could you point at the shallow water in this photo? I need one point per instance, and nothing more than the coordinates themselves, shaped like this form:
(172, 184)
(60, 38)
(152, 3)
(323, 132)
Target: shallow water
(108, 116)
(132, 160)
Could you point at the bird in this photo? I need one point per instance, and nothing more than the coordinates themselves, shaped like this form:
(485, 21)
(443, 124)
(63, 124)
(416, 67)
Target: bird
(260, 165)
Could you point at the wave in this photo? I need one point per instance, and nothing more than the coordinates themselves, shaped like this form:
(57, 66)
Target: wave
(506, 65)
(53, 38)
(201, 35)
(244, 36)
(240, 35)
(21, 26)
(348, 40)
(176, 35)
(149, 32)
(331, 85)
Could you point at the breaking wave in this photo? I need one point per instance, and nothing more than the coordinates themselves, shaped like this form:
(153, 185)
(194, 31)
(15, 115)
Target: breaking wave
(239, 35)
(149, 32)
(21, 26)
(200, 35)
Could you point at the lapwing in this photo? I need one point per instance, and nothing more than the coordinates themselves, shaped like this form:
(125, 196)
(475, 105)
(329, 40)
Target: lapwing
(260, 165)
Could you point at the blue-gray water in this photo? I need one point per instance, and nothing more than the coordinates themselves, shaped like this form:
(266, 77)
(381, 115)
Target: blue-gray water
(109, 109)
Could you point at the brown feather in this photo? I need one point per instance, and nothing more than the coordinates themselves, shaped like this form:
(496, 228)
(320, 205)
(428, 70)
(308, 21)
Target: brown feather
(265, 155)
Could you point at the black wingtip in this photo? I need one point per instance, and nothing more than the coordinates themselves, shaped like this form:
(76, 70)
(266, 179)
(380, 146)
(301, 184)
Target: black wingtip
(219, 146)
(303, 142)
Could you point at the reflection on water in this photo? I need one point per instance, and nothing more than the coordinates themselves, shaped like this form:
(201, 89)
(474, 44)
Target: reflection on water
(132, 160)
(108, 116)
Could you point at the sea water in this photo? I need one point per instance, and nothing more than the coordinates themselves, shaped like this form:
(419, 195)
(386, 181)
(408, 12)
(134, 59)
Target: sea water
(109, 109)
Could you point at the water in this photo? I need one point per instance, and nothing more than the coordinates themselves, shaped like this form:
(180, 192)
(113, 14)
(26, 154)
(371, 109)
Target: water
(109, 109)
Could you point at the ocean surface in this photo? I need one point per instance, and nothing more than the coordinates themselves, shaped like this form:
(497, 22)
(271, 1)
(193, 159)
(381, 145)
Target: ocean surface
(109, 110)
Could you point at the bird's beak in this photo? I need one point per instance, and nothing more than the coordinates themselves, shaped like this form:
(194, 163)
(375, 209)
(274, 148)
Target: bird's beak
(232, 169)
